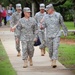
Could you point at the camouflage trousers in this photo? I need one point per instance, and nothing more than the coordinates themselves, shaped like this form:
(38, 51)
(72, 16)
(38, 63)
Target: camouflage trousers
(53, 44)
(17, 44)
(42, 39)
(27, 49)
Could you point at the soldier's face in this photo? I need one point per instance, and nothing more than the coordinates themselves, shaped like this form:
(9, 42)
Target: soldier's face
(18, 10)
(42, 10)
(27, 14)
(49, 11)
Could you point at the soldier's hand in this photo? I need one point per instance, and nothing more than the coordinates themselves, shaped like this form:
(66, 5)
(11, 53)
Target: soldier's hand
(41, 27)
(11, 29)
(65, 35)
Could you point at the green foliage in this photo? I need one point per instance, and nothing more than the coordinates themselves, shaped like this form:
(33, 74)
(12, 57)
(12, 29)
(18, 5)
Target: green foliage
(4, 2)
(63, 9)
(5, 66)
(66, 7)
(68, 4)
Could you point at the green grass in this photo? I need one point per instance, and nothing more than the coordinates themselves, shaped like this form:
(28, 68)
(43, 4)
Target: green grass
(5, 65)
(71, 35)
(67, 56)
(70, 25)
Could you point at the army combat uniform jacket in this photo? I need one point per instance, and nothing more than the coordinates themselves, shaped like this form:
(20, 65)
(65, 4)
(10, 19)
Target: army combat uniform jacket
(53, 24)
(27, 32)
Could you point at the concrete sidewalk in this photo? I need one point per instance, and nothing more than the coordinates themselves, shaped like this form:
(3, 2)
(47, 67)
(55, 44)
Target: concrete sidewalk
(41, 64)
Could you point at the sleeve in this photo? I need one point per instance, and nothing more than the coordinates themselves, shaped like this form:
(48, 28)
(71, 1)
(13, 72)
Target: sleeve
(61, 21)
(35, 28)
(18, 28)
(12, 21)
(36, 17)
(43, 23)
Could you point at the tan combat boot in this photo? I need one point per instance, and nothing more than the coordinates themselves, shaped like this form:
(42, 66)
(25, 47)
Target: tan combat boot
(19, 54)
(54, 64)
(31, 62)
(42, 52)
(28, 58)
(25, 64)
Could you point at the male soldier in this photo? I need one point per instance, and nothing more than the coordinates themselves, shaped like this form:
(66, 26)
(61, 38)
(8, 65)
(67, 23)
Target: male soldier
(38, 16)
(26, 30)
(14, 20)
(53, 22)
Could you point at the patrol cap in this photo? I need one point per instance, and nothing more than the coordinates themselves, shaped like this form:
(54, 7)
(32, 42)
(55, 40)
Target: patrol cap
(42, 6)
(18, 6)
(49, 6)
(26, 9)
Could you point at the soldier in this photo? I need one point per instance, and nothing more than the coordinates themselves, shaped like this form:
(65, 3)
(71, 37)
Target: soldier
(14, 20)
(38, 16)
(53, 22)
(26, 30)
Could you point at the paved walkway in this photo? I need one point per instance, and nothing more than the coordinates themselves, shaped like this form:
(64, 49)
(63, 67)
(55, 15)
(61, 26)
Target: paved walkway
(42, 65)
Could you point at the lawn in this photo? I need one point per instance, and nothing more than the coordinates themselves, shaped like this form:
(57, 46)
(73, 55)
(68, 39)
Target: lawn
(70, 35)
(70, 25)
(5, 65)
(67, 56)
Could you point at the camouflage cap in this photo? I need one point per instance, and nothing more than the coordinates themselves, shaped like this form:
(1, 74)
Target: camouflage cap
(42, 6)
(26, 9)
(49, 6)
(18, 6)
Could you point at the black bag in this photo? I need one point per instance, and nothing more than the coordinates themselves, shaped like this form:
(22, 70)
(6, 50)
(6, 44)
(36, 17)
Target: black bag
(37, 43)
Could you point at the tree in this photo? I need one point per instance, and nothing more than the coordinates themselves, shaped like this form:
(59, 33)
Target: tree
(62, 6)
(4, 2)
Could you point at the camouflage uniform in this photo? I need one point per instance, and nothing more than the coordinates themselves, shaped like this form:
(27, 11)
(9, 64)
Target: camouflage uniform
(26, 31)
(53, 24)
(14, 20)
(41, 33)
